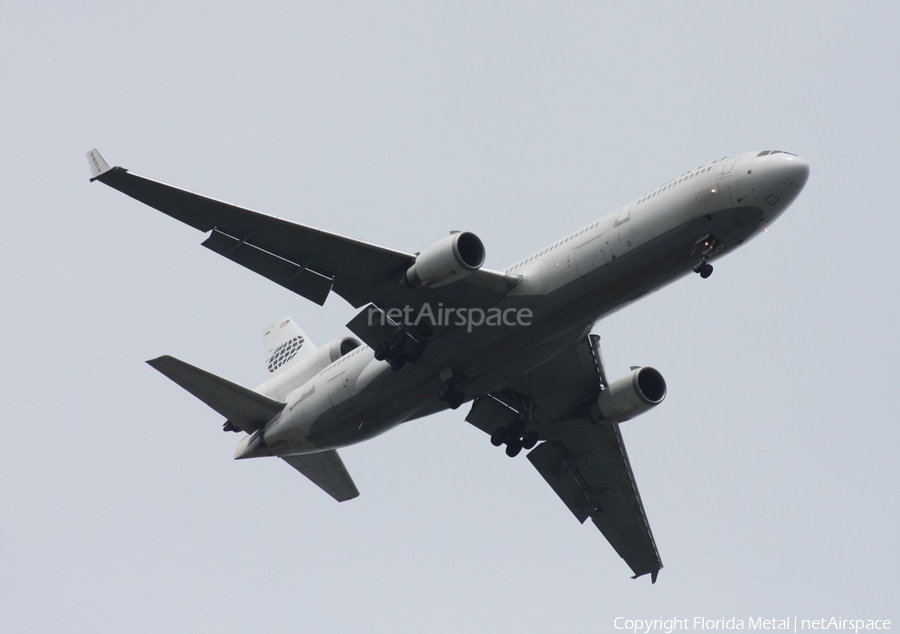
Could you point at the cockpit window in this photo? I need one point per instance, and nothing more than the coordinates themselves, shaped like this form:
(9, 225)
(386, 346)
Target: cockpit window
(765, 152)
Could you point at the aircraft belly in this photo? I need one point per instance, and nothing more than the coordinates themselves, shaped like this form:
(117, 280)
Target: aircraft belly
(568, 312)
(347, 407)
(365, 398)
(649, 265)
(365, 419)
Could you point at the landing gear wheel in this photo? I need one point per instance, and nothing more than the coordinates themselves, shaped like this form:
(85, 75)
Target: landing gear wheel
(499, 436)
(529, 440)
(381, 352)
(706, 270)
(397, 364)
(398, 340)
(513, 447)
(415, 352)
(456, 399)
(445, 392)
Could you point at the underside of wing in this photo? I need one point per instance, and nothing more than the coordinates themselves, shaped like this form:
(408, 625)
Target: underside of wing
(589, 470)
(283, 251)
(306, 260)
(583, 461)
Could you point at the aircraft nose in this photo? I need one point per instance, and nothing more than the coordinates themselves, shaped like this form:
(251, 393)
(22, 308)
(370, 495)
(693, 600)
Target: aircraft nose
(782, 176)
(794, 169)
(789, 170)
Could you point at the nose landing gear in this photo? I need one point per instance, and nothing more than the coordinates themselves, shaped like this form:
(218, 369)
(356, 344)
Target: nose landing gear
(708, 246)
(704, 268)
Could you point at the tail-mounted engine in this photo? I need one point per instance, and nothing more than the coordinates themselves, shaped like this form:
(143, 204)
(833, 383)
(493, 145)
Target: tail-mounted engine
(633, 394)
(447, 261)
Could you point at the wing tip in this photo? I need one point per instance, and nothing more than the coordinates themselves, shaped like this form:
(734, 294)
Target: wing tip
(159, 362)
(97, 163)
(653, 574)
(348, 497)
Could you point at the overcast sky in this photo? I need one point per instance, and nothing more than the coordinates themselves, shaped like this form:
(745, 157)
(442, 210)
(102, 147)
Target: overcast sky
(769, 475)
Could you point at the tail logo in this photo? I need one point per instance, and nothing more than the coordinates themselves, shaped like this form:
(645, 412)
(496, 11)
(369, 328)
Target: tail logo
(284, 353)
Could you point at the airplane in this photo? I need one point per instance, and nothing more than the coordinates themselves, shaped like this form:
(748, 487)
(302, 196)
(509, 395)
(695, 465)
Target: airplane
(436, 329)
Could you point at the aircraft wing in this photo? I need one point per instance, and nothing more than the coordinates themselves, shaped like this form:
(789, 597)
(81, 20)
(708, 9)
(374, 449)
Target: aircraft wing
(588, 468)
(308, 261)
(584, 462)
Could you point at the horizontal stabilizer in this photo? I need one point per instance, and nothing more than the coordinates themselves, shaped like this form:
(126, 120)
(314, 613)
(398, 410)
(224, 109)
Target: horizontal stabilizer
(246, 409)
(327, 471)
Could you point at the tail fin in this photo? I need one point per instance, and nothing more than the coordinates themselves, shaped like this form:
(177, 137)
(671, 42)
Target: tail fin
(284, 344)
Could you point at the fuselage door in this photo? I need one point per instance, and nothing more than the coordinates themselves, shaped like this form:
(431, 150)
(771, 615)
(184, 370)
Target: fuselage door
(339, 390)
(728, 167)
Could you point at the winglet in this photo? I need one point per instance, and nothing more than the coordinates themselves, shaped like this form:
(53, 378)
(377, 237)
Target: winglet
(97, 163)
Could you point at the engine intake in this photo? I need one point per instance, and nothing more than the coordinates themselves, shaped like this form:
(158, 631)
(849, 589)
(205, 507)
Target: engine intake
(447, 261)
(633, 394)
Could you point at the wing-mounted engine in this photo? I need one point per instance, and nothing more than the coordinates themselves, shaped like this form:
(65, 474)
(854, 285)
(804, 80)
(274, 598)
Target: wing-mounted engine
(631, 395)
(447, 261)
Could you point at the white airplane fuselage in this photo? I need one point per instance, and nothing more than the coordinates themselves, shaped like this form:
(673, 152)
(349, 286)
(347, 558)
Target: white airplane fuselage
(565, 288)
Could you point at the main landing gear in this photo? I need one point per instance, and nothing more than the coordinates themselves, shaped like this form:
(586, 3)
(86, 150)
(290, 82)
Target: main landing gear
(515, 436)
(400, 350)
(451, 396)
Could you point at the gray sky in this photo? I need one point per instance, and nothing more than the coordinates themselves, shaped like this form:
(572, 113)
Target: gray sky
(769, 474)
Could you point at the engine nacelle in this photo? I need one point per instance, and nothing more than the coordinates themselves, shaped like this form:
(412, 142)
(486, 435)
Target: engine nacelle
(447, 261)
(631, 395)
(283, 384)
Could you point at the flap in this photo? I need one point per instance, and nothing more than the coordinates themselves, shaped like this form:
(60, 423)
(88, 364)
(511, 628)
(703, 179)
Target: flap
(294, 277)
